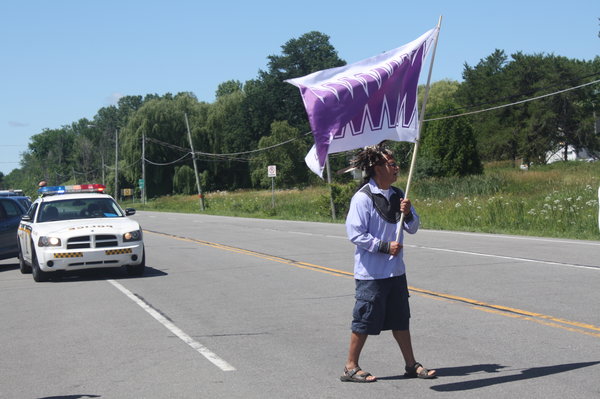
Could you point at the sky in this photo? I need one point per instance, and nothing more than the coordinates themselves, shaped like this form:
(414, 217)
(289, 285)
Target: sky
(63, 60)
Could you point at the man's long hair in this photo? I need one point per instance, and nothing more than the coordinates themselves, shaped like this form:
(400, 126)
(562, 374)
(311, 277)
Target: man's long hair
(369, 157)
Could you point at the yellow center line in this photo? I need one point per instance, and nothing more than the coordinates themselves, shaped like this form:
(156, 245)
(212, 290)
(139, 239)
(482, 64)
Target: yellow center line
(506, 311)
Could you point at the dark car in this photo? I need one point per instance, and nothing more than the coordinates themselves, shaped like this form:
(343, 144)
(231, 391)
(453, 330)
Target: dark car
(11, 210)
(18, 195)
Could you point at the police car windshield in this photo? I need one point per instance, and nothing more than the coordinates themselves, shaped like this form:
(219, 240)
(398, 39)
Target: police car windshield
(81, 208)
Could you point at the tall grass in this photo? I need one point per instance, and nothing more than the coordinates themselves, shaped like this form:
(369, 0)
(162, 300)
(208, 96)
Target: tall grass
(296, 204)
(558, 200)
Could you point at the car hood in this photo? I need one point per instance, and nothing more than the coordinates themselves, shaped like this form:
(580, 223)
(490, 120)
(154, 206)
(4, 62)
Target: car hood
(87, 226)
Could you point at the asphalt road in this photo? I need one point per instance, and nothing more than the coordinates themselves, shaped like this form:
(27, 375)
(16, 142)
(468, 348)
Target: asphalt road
(245, 308)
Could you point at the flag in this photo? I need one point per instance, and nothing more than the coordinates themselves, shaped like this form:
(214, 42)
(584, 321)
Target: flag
(366, 102)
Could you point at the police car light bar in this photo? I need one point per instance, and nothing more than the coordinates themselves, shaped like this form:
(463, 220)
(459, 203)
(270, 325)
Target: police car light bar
(77, 188)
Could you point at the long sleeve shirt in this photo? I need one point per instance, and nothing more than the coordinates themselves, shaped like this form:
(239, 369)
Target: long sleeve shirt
(367, 229)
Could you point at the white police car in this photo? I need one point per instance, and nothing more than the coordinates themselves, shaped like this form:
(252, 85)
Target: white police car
(78, 227)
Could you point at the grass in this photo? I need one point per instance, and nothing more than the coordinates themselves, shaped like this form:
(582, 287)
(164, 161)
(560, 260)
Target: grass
(293, 204)
(558, 200)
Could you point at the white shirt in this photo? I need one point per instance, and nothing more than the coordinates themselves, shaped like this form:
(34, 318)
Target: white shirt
(366, 229)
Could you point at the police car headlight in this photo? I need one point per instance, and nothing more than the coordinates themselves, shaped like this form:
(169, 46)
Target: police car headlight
(135, 235)
(49, 242)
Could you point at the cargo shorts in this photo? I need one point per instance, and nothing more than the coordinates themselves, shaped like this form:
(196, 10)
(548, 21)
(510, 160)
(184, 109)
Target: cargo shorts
(381, 305)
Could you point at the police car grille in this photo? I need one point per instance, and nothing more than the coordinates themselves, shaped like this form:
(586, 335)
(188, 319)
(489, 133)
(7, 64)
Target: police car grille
(98, 241)
(106, 240)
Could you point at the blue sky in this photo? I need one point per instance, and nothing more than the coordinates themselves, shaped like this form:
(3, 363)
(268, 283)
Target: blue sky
(63, 60)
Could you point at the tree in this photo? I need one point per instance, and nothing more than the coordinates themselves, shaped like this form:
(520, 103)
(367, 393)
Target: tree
(50, 153)
(449, 147)
(184, 180)
(228, 87)
(528, 131)
(160, 119)
(483, 86)
(227, 132)
(269, 98)
(289, 158)
(440, 93)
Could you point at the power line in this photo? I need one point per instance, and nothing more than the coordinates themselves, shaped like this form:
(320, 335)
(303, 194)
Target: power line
(167, 163)
(234, 156)
(512, 97)
(514, 103)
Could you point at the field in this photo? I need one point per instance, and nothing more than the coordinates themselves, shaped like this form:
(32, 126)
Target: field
(558, 200)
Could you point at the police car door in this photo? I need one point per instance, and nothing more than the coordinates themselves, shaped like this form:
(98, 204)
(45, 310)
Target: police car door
(25, 233)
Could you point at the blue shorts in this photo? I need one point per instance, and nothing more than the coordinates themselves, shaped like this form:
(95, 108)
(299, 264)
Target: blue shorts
(381, 305)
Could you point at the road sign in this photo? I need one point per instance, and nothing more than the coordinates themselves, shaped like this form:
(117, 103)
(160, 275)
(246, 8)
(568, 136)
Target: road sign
(141, 183)
(272, 171)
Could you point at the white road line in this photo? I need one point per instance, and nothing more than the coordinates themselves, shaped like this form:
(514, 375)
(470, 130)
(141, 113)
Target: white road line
(520, 238)
(505, 257)
(203, 350)
(490, 255)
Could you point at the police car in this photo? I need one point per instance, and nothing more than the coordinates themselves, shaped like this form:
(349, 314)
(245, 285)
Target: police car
(78, 227)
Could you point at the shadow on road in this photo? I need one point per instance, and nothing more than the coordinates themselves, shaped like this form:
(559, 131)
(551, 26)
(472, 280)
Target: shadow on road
(455, 371)
(9, 267)
(466, 370)
(71, 397)
(534, 372)
(101, 274)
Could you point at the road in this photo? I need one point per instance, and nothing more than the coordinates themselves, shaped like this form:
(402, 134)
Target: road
(246, 308)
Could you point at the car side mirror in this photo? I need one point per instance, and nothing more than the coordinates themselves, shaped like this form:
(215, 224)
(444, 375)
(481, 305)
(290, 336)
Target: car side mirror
(26, 218)
(129, 211)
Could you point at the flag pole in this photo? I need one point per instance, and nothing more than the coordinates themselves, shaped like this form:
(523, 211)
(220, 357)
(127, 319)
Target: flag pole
(330, 188)
(421, 117)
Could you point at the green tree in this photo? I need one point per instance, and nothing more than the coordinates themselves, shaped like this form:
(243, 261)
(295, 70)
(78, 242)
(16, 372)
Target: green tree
(162, 120)
(50, 153)
(483, 86)
(184, 180)
(228, 87)
(269, 98)
(449, 148)
(440, 93)
(528, 131)
(227, 132)
(289, 158)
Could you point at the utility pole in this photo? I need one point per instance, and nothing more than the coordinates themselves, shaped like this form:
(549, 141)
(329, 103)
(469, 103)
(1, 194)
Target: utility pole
(117, 164)
(102, 155)
(144, 168)
(187, 125)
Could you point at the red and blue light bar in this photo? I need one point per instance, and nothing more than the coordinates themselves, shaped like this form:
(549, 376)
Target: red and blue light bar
(73, 189)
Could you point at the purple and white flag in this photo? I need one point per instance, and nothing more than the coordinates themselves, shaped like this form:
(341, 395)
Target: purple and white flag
(364, 103)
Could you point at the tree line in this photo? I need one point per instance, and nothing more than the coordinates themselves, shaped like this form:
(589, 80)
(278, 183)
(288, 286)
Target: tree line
(239, 134)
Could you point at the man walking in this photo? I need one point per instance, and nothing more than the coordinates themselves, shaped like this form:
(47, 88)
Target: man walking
(379, 270)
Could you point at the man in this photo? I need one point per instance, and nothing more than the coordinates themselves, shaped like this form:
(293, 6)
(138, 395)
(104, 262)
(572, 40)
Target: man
(379, 270)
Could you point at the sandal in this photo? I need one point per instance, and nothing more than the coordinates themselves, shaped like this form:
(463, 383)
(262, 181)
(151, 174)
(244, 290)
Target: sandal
(411, 372)
(354, 376)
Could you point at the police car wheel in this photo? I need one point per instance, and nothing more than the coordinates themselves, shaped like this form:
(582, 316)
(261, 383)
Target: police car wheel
(137, 270)
(38, 274)
(25, 269)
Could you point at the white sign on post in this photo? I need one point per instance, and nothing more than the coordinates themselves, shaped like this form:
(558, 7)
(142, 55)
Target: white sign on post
(272, 171)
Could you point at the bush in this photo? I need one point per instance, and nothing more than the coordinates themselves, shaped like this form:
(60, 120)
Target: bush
(341, 194)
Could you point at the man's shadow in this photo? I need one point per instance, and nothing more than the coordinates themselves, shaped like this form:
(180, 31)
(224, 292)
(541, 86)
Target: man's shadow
(534, 372)
(456, 371)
